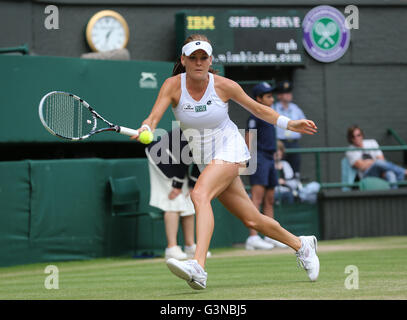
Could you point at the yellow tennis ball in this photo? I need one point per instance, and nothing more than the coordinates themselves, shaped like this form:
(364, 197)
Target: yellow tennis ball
(146, 137)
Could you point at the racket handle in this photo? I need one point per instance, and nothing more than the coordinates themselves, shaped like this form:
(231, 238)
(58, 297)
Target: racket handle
(128, 131)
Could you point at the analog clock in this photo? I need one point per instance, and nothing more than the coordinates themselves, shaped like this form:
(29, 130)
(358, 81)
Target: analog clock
(107, 30)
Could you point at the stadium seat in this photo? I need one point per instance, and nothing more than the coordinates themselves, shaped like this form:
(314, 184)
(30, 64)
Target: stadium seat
(373, 183)
(348, 174)
(125, 201)
(125, 198)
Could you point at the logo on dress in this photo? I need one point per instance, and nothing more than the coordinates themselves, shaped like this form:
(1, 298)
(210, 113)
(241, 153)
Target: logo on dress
(200, 108)
(188, 108)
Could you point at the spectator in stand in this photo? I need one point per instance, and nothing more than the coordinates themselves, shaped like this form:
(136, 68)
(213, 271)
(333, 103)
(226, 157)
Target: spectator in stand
(371, 163)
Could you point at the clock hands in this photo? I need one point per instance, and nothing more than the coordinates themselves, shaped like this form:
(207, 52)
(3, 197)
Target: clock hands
(108, 35)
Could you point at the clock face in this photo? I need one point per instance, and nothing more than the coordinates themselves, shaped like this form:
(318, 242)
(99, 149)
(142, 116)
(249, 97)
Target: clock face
(107, 32)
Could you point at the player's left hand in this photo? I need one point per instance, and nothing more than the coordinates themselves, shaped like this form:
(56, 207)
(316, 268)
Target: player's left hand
(175, 192)
(302, 126)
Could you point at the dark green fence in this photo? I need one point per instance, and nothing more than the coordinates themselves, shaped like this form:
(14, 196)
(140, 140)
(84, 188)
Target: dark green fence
(374, 213)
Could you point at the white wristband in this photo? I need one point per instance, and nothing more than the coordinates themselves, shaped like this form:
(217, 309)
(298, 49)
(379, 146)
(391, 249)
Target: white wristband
(282, 122)
(146, 126)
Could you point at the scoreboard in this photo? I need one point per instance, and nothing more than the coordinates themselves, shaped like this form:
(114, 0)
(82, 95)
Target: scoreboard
(242, 37)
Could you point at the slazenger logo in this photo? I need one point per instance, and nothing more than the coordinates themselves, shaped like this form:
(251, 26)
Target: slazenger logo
(148, 80)
(188, 108)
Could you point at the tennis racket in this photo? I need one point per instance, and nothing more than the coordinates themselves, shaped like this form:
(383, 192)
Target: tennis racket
(67, 116)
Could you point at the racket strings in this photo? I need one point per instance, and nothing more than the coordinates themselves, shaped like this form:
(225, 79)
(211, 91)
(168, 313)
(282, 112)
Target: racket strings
(67, 116)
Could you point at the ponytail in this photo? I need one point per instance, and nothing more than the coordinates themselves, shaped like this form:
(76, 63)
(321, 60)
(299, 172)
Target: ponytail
(178, 67)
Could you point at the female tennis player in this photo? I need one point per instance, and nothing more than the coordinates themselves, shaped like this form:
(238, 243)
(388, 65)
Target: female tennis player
(199, 100)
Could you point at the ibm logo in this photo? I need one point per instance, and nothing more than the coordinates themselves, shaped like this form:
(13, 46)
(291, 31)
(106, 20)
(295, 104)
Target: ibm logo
(200, 22)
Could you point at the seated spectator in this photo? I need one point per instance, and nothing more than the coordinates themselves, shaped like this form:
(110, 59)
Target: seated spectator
(371, 163)
(289, 186)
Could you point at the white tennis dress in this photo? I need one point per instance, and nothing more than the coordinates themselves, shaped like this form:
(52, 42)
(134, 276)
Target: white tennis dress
(160, 188)
(207, 127)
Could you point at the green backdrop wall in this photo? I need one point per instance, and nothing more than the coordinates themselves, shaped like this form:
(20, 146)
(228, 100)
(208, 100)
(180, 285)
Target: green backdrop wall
(53, 210)
(116, 89)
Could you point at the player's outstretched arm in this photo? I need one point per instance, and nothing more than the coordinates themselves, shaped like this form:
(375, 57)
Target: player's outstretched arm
(237, 94)
(164, 99)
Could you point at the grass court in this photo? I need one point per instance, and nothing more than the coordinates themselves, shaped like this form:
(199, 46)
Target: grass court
(233, 274)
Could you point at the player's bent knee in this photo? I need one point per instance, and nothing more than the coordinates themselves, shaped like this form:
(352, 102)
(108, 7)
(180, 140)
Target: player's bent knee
(199, 197)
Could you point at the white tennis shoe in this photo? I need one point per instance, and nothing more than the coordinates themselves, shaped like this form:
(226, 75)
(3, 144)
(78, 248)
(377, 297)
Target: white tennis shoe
(175, 252)
(190, 271)
(307, 256)
(257, 243)
(275, 243)
(190, 251)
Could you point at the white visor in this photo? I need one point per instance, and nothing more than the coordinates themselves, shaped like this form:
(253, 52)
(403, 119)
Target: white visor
(197, 45)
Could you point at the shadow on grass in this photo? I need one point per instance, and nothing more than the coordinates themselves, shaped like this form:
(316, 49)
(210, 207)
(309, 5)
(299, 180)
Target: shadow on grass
(184, 293)
(262, 284)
